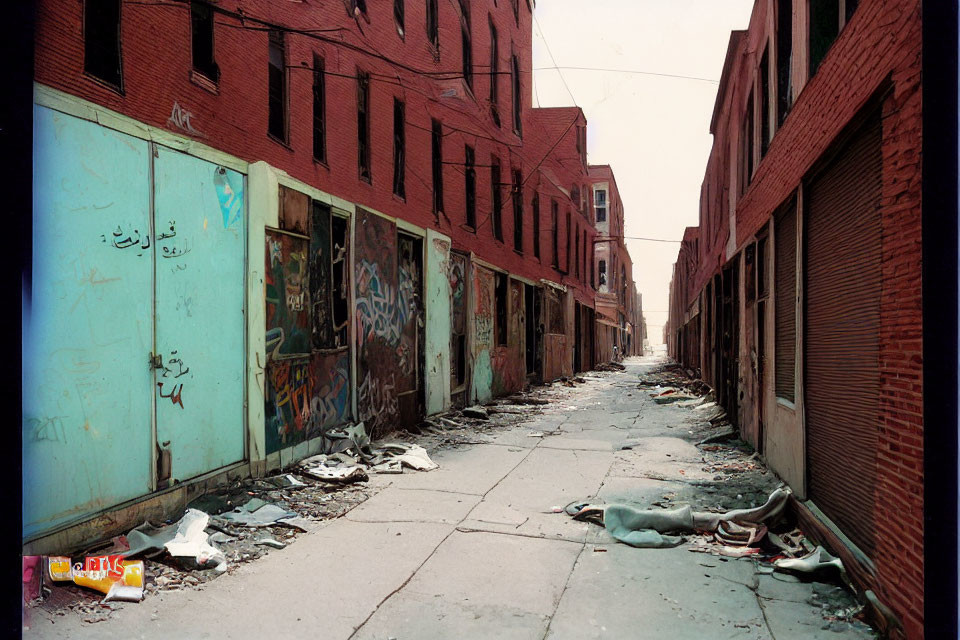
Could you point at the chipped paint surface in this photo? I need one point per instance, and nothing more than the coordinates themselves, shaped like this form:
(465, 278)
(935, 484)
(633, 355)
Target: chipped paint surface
(437, 298)
(483, 334)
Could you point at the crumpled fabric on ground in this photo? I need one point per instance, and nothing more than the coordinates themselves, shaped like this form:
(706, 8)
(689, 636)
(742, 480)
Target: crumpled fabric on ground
(645, 527)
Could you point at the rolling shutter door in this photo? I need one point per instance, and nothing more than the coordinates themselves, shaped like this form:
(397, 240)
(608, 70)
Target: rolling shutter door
(785, 298)
(843, 275)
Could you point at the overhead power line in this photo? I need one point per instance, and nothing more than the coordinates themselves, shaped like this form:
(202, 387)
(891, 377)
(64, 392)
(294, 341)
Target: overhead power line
(632, 71)
(555, 66)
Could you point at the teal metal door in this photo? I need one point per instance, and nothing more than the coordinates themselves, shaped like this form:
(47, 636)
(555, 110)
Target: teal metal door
(87, 438)
(199, 223)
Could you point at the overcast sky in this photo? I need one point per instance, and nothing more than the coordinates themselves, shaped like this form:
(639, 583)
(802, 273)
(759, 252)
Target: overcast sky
(653, 130)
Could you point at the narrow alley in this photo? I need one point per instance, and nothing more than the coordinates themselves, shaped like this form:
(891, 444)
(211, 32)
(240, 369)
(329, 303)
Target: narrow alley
(481, 547)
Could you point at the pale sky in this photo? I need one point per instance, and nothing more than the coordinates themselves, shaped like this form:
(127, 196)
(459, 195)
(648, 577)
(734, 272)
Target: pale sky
(654, 131)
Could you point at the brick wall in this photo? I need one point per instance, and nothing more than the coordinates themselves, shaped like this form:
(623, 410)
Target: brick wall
(878, 49)
(157, 74)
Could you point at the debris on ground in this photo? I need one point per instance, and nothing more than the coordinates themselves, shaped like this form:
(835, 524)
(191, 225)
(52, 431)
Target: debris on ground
(610, 366)
(478, 413)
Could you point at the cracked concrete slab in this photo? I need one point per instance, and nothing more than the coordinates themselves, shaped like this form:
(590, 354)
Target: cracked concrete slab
(478, 585)
(469, 470)
(670, 595)
(414, 505)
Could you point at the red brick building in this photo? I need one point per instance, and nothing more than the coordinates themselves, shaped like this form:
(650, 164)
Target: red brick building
(807, 291)
(402, 233)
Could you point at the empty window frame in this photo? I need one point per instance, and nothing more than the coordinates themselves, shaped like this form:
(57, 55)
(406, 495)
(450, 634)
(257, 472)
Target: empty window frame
(763, 287)
(277, 124)
(575, 196)
(466, 43)
(784, 58)
(576, 251)
(363, 125)
(319, 110)
(399, 149)
(516, 11)
(495, 202)
(603, 273)
(101, 41)
(399, 10)
(745, 171)
(500, 308)
(436, 139)
(535, 205)
(600, 204)
(470, 186)
(517, 195)
(570, 249)
(201, 37)
(517, 102)
(765, 130)
(433, 30)
(824, 27)
(555, 230)
(583, 259)
(494, 74)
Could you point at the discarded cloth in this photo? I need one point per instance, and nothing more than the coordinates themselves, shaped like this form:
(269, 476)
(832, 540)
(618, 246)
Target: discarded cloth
(646, 527)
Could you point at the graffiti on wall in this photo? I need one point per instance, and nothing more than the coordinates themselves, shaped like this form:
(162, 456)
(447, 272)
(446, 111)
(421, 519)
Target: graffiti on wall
(172, 371)
(329, 392)
(229, 187)
(287, 402)
(382, 308)
(483, 313)
(288, 327)
(180, 118)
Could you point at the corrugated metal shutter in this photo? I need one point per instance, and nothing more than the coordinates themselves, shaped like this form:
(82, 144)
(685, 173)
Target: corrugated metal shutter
(843, 275)
(785, 298)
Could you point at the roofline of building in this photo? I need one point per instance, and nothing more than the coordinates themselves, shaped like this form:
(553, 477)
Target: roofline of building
(736, 37)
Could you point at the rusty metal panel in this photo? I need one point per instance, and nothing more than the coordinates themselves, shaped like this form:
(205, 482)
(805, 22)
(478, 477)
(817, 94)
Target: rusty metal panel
(785, 299)
(841, 367)
(293, 210)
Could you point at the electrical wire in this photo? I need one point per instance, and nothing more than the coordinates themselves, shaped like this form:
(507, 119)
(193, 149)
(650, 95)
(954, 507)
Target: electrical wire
(543, 36)
(630, 71)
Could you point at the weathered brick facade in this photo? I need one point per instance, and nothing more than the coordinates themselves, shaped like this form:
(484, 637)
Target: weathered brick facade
(875, 57)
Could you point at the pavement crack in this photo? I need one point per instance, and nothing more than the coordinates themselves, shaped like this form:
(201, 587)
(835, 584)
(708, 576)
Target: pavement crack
(566, 583)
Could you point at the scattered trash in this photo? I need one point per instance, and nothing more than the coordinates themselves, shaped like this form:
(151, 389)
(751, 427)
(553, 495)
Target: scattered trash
(535, 434)
(817, 561)
(32, 577)
(319, 467)
(261, 516)
(478, 413)
(117, 578)
(610, 366)
(270, 542)
(286, 481)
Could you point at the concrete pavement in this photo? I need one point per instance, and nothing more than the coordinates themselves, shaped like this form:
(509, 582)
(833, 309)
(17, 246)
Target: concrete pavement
(474, 550)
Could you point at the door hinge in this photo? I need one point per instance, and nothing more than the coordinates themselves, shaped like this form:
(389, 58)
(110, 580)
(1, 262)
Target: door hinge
(156, 361)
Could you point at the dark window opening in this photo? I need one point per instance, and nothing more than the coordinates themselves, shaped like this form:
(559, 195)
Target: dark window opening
(536, 225)
(101, 41)
(461, 366)
(576, 251)
(500, 308)
(555, 229)
(575, 195)
(495, 201)
(515, 77)
(341, 282)
(277, 126)
(603, 273)
(398, 15)
(201, 28)
(750, 272)
(824, 27)
(361, 5)
(517, 194)
(764, 103)
(762, 286)
(746, 147)
(583, 259)
(466, 41)
(436, 138)
(470, 188)
(363, 125)
(433, 31)
(494, 75)
(566, 268)
(850, 9)
(319, 110)
(600, 204)
(399, 149)
(784, 58)
(516, 11)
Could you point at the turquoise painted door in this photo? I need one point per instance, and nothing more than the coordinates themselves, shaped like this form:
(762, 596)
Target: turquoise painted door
(199, 221)
(87, 441)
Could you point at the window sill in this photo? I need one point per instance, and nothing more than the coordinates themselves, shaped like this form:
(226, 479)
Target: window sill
(467, 227)
(399, 198)
(118, 89)
(321, 163)
(518, 252)
(279, 142)
(204, 82)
